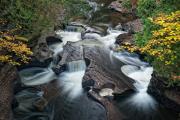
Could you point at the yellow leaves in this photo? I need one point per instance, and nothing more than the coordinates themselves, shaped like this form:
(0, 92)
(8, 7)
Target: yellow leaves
(12, 48)
(162, 46)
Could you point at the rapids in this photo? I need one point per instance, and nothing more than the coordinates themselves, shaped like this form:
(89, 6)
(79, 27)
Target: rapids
(74, 103)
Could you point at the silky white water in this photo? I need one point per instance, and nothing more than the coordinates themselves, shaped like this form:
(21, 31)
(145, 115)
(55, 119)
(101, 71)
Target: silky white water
(36, 76)
(71, 80)
(110, 38)
(129, 58)
(68, 36)
(56, 48)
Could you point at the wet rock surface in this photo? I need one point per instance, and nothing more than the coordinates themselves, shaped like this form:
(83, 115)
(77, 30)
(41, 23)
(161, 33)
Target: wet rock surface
(102, 71)
(87, 109)
(125, 38)
(102, 79)
(98, 70)
(70, 53)
(99, 75)
(133, 26)
(7, 77)
(117, 6)
(170, 97)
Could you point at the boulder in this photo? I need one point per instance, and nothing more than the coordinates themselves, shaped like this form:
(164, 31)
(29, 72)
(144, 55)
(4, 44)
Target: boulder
(125, 38)
(133, 26)
(117, 6)
(105, 73)
(113, 112)
(70, 53)
(42, 52)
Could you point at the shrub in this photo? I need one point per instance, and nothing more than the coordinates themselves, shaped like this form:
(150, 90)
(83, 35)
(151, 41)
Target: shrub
(13, 49)
(162, 49)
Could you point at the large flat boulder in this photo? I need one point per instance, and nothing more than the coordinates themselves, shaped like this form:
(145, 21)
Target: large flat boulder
(104, 71)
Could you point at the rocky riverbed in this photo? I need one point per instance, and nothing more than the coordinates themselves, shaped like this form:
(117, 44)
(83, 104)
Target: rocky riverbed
(77, 74)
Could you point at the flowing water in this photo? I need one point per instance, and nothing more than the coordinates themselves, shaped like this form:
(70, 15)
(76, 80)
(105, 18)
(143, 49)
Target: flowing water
(74, 103)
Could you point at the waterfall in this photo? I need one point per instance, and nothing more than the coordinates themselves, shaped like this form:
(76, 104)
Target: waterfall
(56, 48)
(71, 81)
(76, 66)
(71, 29)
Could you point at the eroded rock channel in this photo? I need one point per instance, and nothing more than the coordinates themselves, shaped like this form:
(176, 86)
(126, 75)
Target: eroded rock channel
(84, 78)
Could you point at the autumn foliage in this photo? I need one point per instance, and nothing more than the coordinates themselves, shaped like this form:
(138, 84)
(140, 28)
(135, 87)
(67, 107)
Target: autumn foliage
(13, 49)
(163, 48)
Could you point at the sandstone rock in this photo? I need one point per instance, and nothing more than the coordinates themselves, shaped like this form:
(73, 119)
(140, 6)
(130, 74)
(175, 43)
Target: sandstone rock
(170, 97)
(70, 53)
(100, 75)
(104, 72)
(52, 39)
(125, 38)
(7, 77)
(117, 5)
(133, 26)
(112, 111)
(42, 52)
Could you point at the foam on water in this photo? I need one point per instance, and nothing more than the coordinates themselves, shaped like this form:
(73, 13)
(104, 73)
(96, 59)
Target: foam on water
(110, 39)
(141, 75)
(91, 36)
(71, 83)
(71, 80)
(129, 58)
(68, 36)
(56, 48)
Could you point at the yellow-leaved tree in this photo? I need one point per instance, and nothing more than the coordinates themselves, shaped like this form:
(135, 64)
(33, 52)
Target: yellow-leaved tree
(13, 49)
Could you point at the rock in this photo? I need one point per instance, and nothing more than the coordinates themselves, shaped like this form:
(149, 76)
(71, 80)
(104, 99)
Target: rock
(112, 111)
(42, 55)
(7, 77)
(104, 73)
(100, 77)
(125, 38)
(170, 97)
(40, 104)
(117, 6)
(81, 108)
(133, 26)
(87, 85)
(52, 39)
(70, 53)
(36, 63)
(59, 69)
(42, 52)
